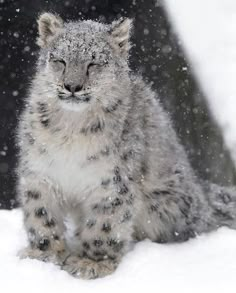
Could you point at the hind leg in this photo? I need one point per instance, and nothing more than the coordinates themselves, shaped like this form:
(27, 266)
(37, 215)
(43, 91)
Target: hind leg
(167, 215)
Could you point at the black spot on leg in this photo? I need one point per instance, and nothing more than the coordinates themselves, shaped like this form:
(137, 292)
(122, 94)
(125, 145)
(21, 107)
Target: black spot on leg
(42, 107)
(127, 155)
(117, 170)
(130, 199)
(43, 244)
(123, 189)
(84, 254)
(33, 194)
(92, 158)
(170, 183)
(45, 121)
(116, 178)
(225, 197)
(50, 223)
(117, 202)
(99, 254)
(106, 227)
(86, 245)
(115, 244)
(98, 242)
(126, 217)
(126, 128)
(40, 212)
(118, 247)
(223, 215)
(105, 182)
(90, 223)
(56, 237)
(95, 206)
(111, 242)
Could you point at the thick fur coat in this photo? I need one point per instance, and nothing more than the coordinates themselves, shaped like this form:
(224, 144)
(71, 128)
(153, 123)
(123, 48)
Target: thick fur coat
(100, 164)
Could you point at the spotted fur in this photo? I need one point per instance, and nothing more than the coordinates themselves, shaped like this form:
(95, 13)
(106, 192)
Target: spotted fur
(100, 164)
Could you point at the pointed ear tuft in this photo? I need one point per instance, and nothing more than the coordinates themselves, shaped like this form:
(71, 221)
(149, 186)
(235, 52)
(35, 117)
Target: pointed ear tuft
(48, 26)
(120, 33)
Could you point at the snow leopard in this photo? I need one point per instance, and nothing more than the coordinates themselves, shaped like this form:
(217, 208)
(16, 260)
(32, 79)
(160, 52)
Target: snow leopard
(100, 164)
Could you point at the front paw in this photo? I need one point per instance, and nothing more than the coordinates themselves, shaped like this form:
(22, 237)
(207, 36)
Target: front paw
(86, 268)
(46, 256)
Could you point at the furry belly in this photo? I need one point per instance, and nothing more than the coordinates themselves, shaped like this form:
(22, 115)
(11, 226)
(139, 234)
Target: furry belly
(74, 178)
(74, 175)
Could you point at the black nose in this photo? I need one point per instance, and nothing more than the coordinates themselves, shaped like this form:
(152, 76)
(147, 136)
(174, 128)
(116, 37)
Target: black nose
(73, 88)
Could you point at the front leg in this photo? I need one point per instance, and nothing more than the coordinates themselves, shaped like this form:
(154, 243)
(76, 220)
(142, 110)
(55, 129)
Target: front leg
(107, 229)
(42, 220)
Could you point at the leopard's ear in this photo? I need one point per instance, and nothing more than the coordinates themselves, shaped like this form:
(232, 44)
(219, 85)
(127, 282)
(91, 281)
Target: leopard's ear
(48, 26)
(120, 35)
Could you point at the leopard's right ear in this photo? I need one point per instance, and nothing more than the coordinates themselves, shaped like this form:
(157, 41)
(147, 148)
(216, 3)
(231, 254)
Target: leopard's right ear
(120, 34)
(48, 26)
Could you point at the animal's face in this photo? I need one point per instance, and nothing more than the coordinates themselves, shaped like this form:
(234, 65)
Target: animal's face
(86, 61)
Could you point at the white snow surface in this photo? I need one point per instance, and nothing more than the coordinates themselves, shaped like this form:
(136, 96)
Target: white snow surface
(204, 264)
(207, 29)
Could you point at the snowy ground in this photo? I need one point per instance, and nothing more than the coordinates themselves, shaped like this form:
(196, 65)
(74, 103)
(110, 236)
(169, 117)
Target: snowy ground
(207, 29)
(206, 264)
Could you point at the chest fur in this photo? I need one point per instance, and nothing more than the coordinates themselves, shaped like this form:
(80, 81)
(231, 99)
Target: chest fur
(77, 169)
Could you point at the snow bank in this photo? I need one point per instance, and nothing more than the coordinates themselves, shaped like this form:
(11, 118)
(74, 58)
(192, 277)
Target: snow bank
(207, 29)
(205, 264)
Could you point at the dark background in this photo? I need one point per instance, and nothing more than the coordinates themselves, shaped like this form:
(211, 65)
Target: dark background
(157, 53)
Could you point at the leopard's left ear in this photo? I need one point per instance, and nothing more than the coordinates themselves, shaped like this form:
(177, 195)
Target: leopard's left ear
(48, 26)
(120, 34)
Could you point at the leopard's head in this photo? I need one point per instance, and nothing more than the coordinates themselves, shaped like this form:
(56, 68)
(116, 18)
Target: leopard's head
(85, 63)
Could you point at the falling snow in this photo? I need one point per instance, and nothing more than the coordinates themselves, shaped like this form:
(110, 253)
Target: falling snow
(165, 268)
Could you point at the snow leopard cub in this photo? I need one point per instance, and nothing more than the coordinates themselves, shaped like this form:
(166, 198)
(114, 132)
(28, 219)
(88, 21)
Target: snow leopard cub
(100, 164)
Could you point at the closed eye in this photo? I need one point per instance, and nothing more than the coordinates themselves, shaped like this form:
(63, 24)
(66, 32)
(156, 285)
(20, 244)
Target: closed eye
(93, 65)
(59, 60)
(54, 59)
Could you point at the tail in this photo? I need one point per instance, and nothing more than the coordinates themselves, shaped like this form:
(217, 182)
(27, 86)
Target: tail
(221, 205)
